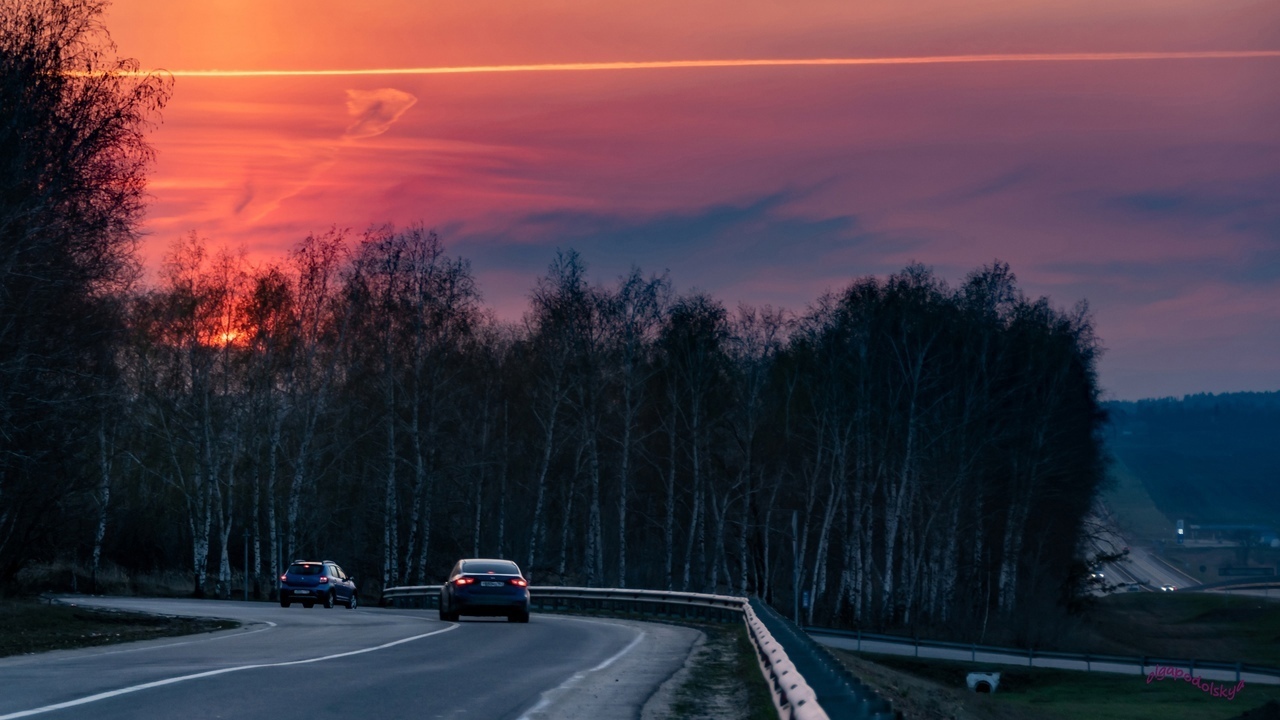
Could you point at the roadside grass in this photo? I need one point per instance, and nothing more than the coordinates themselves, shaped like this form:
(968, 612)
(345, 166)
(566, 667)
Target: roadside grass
(1068, 695)
(31, 626)
(724, 676)
(64, 577)
(1133, 507)
(1199, 626)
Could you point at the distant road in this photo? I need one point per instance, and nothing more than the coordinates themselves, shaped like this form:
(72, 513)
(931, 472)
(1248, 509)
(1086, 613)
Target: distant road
(336, 663)
(1140, 566)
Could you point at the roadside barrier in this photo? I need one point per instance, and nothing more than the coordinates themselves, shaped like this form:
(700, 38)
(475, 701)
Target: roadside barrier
(1031, 657)
(793, 697)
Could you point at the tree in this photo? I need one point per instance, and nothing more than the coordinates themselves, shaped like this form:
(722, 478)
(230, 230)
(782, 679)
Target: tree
(72, 159)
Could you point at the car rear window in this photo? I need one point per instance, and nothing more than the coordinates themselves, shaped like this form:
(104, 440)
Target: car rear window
(489, 566)
(304, 569)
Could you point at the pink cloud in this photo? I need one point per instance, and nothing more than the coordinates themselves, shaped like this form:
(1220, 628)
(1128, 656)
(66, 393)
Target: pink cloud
(374, 111)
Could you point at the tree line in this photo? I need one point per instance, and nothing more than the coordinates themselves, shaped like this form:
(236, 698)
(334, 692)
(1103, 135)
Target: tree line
(901, 452)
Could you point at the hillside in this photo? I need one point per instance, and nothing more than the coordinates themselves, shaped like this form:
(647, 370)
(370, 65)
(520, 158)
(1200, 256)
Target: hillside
(1209, 459)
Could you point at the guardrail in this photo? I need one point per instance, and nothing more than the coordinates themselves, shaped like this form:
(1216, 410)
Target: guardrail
(842, 694)
(685, 605)
(793, 698)
(1108, 663)
(1264, 582)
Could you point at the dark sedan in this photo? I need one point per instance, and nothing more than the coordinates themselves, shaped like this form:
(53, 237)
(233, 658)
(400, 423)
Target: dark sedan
(482, 586)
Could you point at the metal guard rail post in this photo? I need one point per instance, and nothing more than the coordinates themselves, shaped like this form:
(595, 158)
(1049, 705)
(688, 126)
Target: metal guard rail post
(792, 696)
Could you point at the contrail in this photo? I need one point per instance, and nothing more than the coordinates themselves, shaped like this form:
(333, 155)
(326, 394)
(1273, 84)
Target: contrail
(773, 62)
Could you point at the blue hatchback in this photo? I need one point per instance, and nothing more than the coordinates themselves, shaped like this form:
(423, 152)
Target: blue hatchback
(322, 581)
(485, 587)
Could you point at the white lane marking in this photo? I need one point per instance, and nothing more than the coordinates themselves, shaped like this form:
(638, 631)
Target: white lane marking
(621, 652)
(211, 673)
(577, 677)
(230, 634)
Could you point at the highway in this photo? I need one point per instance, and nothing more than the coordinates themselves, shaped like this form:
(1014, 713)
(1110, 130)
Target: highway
(1139, 566)
(336, 663)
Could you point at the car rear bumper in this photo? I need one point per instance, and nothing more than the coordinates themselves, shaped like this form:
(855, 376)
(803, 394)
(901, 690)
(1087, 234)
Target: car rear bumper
(505, 607)
(490, 604)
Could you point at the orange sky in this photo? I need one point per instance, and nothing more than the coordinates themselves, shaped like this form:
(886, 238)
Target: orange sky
(1148, 187)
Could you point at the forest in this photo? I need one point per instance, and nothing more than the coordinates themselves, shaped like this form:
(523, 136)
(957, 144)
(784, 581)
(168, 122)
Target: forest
(1205, 458)
(906, 453)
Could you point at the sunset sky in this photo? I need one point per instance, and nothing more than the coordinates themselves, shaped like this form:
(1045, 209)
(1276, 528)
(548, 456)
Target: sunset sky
(1149, 187)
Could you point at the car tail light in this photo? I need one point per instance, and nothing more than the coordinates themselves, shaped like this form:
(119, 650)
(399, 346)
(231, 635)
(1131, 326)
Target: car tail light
(283, 578)
(464, 581)
(324, 578)
(519, 581)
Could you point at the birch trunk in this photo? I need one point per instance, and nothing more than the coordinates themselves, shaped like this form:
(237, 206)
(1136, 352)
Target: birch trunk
(273, 531)
(697, 533)
(668, 527)
(420, 513)
(595, 553)
(536, 530)
(390, 531)
(742, 539)
(104, 499)
(295, 494)
(896, 498)
(199, 522)
(624, 485)
(1012, 547)
(564, 532)
(502, 485)
(484, 469)
(717, 540)
(695, 518)
(818, 585)
(766, 580)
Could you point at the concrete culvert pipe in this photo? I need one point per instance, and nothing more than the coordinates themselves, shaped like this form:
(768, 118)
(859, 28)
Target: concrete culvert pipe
(983, 682)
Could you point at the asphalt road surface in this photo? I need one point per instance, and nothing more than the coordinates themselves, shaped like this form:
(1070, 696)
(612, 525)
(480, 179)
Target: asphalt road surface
(337, 663)
(1140, 566)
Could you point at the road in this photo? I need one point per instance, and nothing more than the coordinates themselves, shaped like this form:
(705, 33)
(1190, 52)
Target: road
(337, 663)
(1139, 566)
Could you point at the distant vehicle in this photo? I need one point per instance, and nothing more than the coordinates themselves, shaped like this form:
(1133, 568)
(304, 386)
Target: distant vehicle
(1168, 588)
(1134, 587)
(317, 581)
(1097, 576)
(481, 586)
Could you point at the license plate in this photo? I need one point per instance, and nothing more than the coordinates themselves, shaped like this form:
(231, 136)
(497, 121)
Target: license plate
(490, 583)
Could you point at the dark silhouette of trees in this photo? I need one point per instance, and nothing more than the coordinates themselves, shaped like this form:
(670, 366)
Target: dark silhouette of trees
(939, 447)
(72, 161)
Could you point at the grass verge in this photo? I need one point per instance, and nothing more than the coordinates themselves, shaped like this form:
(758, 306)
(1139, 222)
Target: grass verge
(1027, 693)
(724, 679)
(1201, 626)
(1134, 508)
(31, 627)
